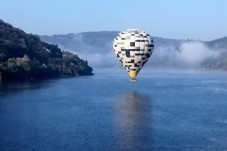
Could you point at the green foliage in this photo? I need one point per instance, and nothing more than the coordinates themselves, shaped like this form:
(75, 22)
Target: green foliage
(24, 56)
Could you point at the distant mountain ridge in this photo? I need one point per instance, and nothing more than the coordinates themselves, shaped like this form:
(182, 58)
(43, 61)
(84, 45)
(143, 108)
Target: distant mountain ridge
(100, 38)
(220, 43)
(168, 53)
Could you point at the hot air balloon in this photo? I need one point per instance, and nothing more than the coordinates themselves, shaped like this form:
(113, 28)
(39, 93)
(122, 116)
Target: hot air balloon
(133, 48)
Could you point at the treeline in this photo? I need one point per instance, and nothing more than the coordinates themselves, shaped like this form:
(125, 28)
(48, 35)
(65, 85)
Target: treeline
(24, 56)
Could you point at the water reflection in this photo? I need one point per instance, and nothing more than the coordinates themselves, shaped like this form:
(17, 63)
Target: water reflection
(133, 121)
(8, 88)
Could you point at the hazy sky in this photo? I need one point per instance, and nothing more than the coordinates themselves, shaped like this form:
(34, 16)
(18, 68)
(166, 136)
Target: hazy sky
(181, 19)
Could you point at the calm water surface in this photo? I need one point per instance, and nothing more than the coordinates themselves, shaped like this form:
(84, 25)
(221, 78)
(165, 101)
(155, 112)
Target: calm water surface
(162, 111)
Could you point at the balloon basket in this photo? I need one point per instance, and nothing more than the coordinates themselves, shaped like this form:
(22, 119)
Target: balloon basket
(133, 80)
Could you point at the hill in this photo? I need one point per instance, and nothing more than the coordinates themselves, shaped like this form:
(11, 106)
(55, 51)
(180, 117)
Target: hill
(25, 56)
(220, 62)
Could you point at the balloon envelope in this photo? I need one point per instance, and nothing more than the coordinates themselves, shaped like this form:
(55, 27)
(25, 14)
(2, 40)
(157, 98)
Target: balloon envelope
(133, 48)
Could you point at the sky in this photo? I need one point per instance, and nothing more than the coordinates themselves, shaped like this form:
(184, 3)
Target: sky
(179, 19)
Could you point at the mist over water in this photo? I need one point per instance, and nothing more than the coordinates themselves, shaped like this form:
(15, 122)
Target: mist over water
(196, 52)
(189, 55)
(99, 60)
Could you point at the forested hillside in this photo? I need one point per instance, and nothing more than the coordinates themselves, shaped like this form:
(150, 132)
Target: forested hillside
(25, 56)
